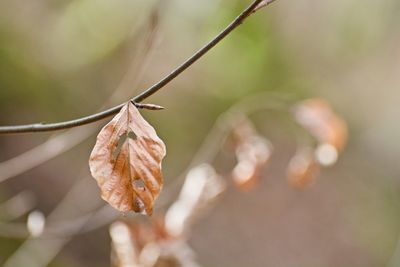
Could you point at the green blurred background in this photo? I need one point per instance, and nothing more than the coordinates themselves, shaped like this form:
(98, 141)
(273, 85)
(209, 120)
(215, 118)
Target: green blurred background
(60, 60)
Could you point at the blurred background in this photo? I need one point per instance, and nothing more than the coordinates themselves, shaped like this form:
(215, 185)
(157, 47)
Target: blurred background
(61, 60)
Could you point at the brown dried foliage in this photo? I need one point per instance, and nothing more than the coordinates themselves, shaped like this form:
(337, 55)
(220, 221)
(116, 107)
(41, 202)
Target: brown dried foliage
(126, 162)
(303, 169)
(252, 154)
(317, 116)
(329, 129)
(148, 245)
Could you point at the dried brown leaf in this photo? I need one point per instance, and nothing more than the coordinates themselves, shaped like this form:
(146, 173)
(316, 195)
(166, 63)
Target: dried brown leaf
(317, 116)
(126, 162)
(139, 244)
(302, 169)
(252, 154)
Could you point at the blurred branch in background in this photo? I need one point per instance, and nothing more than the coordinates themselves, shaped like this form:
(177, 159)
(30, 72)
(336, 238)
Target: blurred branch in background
(222, 128)
(39, 252)
(148, 92)
(17, 206)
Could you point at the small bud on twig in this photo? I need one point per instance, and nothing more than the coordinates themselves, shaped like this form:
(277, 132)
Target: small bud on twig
(148, 106)
(262, 4)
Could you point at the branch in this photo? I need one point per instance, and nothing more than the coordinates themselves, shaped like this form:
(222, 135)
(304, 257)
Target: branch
(40, 127)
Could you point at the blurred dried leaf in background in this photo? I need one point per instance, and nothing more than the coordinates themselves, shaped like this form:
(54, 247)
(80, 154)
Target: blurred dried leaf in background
(328, 128)
(303, 168)
(126, 162)
(202, 186)
(317, 116)
(148, 245)
(123, 249)
(252, 154)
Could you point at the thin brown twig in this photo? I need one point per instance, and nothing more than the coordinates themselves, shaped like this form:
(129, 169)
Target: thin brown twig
(39, 127)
